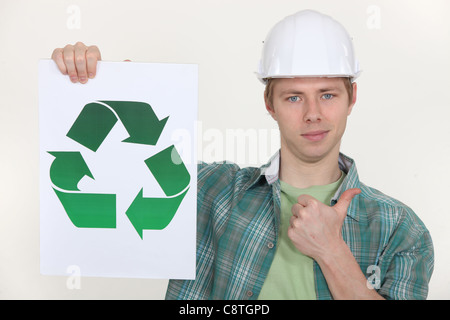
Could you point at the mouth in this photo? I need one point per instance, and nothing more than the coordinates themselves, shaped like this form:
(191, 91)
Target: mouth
(315, 135)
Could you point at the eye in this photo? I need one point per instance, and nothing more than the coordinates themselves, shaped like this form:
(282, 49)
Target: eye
(294, 99)
(327, 96)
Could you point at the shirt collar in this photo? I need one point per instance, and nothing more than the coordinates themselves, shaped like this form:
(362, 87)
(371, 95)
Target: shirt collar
(347, 165)
(267, 173)
(271, 169)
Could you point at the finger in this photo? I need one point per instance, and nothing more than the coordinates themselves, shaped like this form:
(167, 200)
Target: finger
(345, 200)
(69, 61)
(92, 57)
(304, 200)
(295, 209)
(80, 61)
(293, 222)
(58, 57)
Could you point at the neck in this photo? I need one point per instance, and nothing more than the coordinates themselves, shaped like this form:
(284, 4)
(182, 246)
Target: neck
(304, 174)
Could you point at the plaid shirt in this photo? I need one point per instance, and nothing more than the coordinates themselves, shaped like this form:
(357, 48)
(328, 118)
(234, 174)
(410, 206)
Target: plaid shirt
(238, 224)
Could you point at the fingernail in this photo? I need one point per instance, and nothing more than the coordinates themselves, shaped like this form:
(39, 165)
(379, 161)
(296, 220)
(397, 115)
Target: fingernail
(91, 75)
(73, 79)
(83, 79)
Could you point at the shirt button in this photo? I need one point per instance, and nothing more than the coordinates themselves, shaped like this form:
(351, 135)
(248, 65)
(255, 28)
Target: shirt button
(270, 245)
(249, 293)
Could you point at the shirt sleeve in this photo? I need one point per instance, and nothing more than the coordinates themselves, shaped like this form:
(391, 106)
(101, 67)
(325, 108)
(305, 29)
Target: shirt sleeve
(199, 288)
(213, 180)
(411, 261)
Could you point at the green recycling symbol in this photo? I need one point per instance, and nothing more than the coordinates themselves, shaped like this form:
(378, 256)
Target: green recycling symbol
(98, 210)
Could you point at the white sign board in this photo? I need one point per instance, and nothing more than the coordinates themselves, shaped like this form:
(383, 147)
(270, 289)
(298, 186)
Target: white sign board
(118, 171)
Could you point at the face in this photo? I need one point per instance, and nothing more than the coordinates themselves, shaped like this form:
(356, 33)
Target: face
(312, 116)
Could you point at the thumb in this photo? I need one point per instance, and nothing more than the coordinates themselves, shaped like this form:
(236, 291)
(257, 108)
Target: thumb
(344, 201)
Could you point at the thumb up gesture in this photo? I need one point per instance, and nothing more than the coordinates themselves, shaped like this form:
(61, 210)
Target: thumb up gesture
(315, 228)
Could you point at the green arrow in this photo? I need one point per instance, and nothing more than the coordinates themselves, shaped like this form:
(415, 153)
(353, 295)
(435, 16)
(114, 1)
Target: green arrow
(173, 177)
(92, 125)
(139, 120)
(169, 171)
(84, 210)
(87, 210)
(153, 213)
(67, 169)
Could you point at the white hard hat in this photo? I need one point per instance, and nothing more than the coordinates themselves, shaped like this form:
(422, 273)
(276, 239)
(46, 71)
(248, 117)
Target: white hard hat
(308, 44)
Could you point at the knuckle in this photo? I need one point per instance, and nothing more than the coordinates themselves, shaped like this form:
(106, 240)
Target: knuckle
(68, 47)
(91, 56)
(79, 59)
(291, 233)
(291, 220)
(57, 53)
(93, 48)
(295, 223)
(314, 203)
(80, 44)
(94, 53)
(68, 59)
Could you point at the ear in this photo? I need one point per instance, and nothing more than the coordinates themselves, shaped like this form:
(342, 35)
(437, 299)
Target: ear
(270, 108)
(355, 94)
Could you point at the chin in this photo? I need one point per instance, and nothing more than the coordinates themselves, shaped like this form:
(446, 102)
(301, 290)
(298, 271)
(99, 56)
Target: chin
(313, 156)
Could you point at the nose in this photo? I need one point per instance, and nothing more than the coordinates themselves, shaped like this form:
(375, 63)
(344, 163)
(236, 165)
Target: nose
(312, 112)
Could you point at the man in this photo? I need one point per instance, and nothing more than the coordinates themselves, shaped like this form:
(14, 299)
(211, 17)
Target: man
(303, 226)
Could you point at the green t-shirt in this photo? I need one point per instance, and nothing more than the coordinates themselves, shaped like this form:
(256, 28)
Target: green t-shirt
(291, 275)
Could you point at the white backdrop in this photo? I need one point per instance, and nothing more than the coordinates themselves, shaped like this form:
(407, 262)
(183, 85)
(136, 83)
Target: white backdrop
(398, 132)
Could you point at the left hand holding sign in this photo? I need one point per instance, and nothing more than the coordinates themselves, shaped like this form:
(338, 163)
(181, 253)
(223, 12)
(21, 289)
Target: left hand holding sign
(315, 228)
(77, 61)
